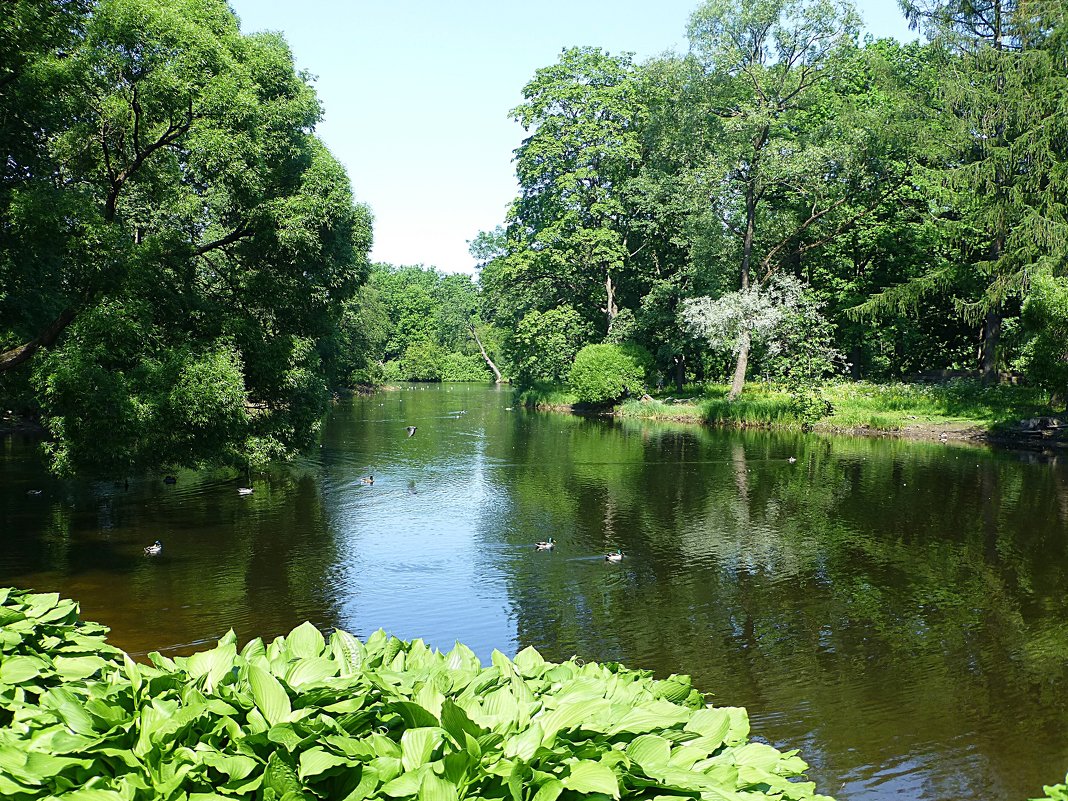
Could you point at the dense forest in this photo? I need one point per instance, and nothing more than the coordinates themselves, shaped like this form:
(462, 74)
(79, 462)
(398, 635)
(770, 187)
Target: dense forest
(784, 191)
(184, 275)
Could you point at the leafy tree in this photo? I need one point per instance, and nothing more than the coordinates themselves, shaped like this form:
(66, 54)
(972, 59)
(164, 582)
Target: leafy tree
(583, 116)
(174, 223)
(544, 345)
(765, 62)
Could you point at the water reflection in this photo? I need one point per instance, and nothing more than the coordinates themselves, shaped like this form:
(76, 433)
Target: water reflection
(896, 610)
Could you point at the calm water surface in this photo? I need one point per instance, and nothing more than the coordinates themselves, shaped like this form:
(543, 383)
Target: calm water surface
(898, 611)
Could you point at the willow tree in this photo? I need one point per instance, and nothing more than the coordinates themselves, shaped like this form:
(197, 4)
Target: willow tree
(177, 244)
(1004, 83)
(764, 63)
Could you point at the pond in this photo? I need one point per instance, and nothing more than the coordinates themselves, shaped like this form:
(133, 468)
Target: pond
(898, 611)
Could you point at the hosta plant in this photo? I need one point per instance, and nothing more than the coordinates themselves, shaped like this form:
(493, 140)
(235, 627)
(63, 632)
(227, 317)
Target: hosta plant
(307, 718)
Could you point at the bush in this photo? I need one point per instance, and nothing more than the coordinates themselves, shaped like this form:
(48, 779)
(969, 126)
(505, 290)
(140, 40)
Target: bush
(392, 372)
(605, 373)
(463, 367)
(1046, 355)
(422, 361)
(306, 717)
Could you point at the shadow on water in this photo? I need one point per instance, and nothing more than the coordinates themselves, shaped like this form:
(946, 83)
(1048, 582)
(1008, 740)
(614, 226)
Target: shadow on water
(895, 610)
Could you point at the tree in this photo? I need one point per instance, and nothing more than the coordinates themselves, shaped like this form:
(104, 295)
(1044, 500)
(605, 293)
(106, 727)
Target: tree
(765, 62)
(1003, 84)
(584, 118)
(176, 224)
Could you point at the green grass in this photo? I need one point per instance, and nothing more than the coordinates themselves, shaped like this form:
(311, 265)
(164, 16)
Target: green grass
(959, 404)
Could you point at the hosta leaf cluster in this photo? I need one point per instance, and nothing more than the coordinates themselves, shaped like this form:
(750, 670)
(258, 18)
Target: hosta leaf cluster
(305, 717)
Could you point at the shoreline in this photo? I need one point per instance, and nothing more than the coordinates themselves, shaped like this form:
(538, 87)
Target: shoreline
(1050, 439)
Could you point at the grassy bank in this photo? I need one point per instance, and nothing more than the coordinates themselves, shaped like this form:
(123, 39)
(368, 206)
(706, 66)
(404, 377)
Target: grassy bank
(958, 408)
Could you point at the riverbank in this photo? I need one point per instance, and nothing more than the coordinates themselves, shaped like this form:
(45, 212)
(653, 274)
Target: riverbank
(958, 410)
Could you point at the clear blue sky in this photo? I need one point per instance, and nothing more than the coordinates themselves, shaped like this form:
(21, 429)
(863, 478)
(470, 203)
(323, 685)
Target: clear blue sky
(417, 94)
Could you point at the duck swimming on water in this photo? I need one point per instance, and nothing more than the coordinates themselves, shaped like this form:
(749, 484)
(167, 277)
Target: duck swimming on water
(617, 556)
(367, 480)
(245, 490)
(548, 545)
(155, 549)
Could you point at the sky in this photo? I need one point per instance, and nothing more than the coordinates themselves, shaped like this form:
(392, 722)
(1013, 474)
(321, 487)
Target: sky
(416, 96)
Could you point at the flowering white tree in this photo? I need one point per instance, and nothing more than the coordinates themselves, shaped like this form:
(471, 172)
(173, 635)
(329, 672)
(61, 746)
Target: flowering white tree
(781, 315)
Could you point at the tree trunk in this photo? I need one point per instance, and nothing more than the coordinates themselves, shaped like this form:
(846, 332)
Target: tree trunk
(742, 363)
(988, 347)
(16, 356)
(680, 372)
(482, 350)
(610, 307)
(740, 366)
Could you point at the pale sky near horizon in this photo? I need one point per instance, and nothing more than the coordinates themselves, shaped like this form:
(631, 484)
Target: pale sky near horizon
(417, 94)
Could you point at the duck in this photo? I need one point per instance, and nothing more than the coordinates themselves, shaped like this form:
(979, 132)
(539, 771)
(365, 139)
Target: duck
(411, 430)
(155, 549)
(617, 556)
(170, 480)
(34, 492)
(245, 490)
(548, 545)
(367, 480)
(792, 459)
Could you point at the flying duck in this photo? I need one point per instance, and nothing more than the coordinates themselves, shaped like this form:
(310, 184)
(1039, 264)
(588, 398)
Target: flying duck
(155, 549)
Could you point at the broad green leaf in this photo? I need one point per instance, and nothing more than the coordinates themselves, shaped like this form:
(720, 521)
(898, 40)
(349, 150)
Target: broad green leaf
(418, 745)
(530, 663)
(280, 776)
(549, 791)
(305, 641)
(20, 669)
(270, 696)
(406, 784)
(592, 777)
(436, 789)
(710, 722)
(212, 666)
(348, 652)
(525, 744)
(310, 671)
(456, 722)
(315, 761)
(78, 667)
(414, 715)
(368, 783)
(650, 752)
(235, 766)
(93, 794)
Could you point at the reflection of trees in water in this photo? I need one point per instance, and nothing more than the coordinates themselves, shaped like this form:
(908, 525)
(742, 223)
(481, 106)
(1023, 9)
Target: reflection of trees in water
(868, 575)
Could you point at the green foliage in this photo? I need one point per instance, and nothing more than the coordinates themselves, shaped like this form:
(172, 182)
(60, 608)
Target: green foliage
(335, 719)
(173, 238)
(544, 345)
(1056, 792)
(422, 361)
(1046, 316)
(606, 373)
(458, 367)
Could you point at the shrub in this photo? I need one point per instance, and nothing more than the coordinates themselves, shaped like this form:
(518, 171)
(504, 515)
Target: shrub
(1046, 355)
(605, 373)
(464, 367)
(392, 372)
(422, 361)
(307, 718)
